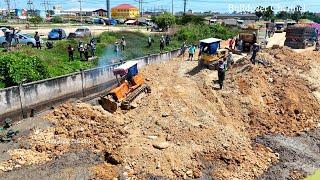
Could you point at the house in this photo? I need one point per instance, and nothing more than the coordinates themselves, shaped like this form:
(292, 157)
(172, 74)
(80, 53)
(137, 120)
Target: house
(125, 11)
(99, 12)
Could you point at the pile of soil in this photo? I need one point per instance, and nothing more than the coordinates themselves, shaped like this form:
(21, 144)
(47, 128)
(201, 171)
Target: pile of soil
(186, 128)
(75, 127)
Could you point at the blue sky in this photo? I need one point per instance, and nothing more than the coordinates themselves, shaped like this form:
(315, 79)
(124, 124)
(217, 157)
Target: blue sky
(196, 5)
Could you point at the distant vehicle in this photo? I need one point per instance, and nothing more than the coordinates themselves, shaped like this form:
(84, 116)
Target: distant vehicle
(54, 34)
(111, 22)
(279, 27)
(82, 32)
(249, 37)
(25, 39)
(301, 37)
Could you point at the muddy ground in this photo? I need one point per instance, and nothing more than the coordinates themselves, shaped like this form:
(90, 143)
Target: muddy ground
(262, 125)
(299, 155)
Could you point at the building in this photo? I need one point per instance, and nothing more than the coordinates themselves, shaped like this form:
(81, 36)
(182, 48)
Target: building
(236, 16)
(125, 11)
(99, 12)
(83, 12)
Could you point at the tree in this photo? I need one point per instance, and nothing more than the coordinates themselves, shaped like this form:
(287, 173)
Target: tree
(297, 13)
(259, 11)
(36, 20)
(165, 20)
(268, 13)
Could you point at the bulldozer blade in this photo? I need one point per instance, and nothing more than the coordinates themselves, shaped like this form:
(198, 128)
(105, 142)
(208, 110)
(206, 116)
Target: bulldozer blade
(108, 104)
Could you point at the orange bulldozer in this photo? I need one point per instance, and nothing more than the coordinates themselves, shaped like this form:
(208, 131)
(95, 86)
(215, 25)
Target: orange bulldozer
(130, 85)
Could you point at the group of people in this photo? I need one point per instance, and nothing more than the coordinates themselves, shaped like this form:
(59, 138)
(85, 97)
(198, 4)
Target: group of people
(84, 49)
(121, 46)
(236, 44)
(10, 36)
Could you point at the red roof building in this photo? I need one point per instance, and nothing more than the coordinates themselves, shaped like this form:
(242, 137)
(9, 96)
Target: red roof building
(125, 11)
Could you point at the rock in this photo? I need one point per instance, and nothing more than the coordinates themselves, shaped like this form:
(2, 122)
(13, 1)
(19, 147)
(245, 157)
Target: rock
(158, 166)
(152, 137)
(165, 114)
(161, 145)
(134, 105)
(189, 173)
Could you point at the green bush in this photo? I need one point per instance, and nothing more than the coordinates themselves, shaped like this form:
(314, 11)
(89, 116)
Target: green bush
(190, 19)
(57, 19)
(194, 33)
(17, 68)
(165, 21)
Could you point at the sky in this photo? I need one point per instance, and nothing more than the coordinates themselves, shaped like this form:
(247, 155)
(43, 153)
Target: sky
(227, 6)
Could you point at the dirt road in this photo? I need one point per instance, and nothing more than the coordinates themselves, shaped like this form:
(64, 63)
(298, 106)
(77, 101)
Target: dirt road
(277, 39)
(186, 128)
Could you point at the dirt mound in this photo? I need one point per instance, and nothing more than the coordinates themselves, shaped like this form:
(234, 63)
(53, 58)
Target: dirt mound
(186, 128)
(76, 127)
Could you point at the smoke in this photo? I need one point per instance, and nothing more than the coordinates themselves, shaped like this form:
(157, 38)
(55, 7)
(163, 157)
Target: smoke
(109, 56)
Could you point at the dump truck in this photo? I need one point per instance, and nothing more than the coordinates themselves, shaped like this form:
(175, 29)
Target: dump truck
(300, 37)
(249, 37)
(130, 84)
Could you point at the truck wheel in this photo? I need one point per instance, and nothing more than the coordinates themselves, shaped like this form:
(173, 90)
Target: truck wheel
(5, 44)
(30, 44)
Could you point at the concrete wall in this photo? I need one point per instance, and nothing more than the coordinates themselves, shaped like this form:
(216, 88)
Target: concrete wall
(31, 98)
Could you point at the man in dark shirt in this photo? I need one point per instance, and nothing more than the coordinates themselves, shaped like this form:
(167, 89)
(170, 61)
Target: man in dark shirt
(37, 38)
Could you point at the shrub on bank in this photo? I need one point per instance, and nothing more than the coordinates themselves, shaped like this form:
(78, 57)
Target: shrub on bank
(16, 68)
(194, 33)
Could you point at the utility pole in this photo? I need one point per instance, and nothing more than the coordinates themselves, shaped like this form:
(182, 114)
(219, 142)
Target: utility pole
(30, 3)
(8, 5)
(80, 1)
(108, 9)
(184, 7)
(172, 7)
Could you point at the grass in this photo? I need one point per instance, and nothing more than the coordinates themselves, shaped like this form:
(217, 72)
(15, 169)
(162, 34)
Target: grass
(315, 176)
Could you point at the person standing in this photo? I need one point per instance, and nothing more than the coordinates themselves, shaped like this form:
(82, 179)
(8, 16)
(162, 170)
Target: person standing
(81, 49)
(192, 50)
(37, 38)
(116, 49)
(60, 34)
(86, 52)
(167, 40)
(222, 67)
(255, 49)
(70, 52)
(149, 41)
(123, 43)
(240, 45)
(162, 41)
(8, 38)
(93, 48)
(231, 42)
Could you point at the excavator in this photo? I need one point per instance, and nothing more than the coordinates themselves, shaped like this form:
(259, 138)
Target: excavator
(130, 85)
